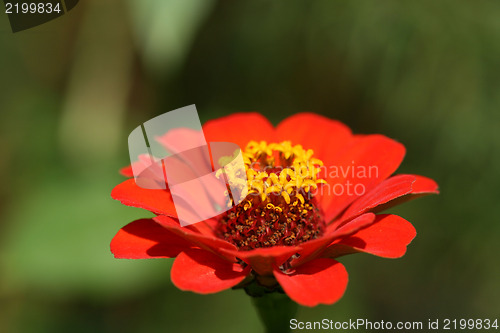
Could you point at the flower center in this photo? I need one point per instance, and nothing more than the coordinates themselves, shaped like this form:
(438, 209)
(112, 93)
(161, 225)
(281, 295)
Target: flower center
(280, 208)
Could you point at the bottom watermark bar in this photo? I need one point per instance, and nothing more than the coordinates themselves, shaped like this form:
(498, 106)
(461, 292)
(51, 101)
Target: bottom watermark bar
(365, 324)
(354, 324)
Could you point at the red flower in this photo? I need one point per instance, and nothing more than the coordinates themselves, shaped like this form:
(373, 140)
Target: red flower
(286, 239)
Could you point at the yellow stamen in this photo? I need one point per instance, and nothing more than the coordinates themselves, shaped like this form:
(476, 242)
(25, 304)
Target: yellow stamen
(295, 177)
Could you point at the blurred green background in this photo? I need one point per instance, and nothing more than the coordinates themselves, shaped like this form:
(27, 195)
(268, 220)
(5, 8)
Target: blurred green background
(423, 72)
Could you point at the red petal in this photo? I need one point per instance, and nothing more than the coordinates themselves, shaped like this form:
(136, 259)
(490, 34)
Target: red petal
(376, 154)
(203, 272)
(204, 227)
(264, 260)
(421, 187)
(239, 128)
(193, 235)
(145, 239)
(157, 201)
(312, 131)
(127, 171)
(387, 237)
(321, 281)
(388, 190)
(311, 249)
(424, 185)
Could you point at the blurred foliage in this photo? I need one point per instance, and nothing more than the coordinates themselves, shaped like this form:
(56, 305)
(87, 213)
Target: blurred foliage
(422, 72)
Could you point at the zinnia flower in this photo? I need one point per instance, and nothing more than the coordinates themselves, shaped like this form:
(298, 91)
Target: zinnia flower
(315, 189)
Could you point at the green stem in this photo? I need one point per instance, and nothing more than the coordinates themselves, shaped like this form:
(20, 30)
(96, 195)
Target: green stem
(275, 311)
